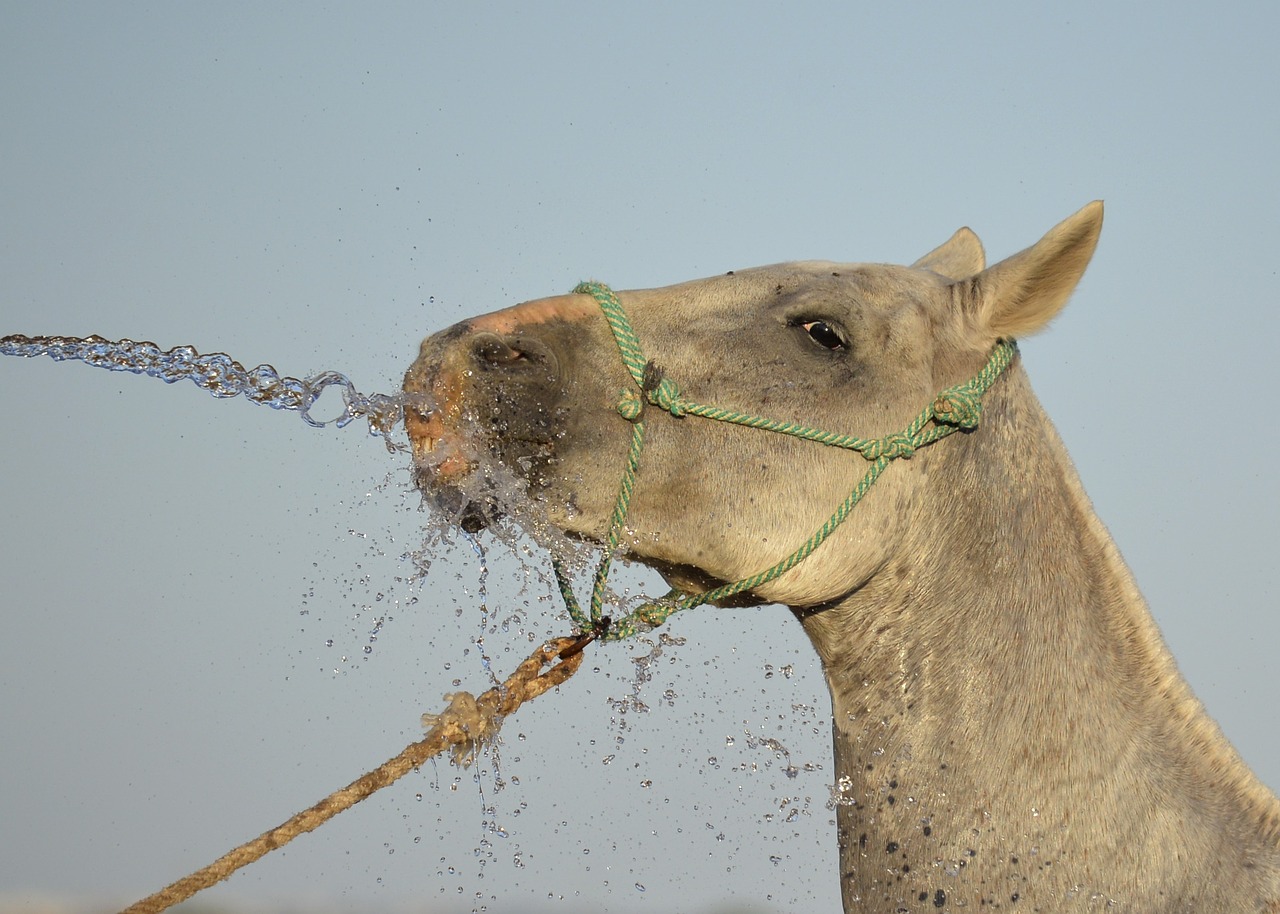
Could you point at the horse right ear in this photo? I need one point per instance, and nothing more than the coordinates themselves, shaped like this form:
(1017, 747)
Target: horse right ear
(1021, 294)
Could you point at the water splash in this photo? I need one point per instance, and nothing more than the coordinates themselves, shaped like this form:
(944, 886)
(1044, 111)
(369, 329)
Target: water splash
(643, 674)
(221, 375)
(483, 595)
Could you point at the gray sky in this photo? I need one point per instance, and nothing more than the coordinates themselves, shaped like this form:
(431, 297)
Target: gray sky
(319, 187)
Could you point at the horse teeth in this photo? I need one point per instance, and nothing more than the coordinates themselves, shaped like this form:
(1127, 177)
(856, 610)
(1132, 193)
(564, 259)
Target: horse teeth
(424, 430)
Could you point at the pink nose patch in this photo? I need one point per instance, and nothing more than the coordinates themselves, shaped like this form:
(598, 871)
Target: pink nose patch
(541, 311)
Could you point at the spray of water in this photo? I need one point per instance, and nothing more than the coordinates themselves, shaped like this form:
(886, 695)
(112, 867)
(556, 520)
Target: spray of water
(516, 522)
(222, 376)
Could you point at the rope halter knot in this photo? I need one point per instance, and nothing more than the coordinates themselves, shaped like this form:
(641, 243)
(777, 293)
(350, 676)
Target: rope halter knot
(890, 447)
(958, 408)
(631, 406)
(655, 388)
(665, 394)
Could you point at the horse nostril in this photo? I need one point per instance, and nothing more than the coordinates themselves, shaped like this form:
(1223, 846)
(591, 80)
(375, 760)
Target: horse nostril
(492, 349)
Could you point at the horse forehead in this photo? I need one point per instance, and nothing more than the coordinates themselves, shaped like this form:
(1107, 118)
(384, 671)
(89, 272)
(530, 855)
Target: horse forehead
(821, 275)
(870, 287)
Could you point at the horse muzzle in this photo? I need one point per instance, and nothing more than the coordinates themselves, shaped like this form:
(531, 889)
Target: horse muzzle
(486, 397)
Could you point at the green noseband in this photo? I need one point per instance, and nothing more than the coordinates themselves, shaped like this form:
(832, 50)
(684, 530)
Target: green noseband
(956, 408)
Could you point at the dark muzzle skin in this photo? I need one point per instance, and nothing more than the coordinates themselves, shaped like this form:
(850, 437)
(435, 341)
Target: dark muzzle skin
(493, 393)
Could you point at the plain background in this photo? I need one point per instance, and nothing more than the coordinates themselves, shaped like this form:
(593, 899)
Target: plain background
(188, 587)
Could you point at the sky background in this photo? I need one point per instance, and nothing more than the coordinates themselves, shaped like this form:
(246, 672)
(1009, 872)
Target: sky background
(188, 586)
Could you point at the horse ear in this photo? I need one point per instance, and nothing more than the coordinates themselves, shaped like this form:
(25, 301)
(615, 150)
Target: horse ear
(1021, 294)
(959, 256)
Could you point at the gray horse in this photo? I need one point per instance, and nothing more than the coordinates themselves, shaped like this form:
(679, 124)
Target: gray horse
(1010, 730)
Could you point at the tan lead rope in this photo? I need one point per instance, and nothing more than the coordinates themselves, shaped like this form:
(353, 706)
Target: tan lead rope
(463, 727)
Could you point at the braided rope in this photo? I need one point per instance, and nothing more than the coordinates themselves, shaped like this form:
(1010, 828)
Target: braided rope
(468, 722)
(957, 408)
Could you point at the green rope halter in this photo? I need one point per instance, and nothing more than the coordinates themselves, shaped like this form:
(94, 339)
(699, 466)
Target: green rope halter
(958, 407)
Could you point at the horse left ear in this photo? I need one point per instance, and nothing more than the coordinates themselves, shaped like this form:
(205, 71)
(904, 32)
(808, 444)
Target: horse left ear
(1021, 294)
(959, 256)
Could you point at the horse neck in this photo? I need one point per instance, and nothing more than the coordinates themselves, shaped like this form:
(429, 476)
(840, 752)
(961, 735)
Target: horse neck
(1000, 689)
(1007, 598)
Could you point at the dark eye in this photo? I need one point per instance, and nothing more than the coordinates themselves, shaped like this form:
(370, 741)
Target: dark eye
(824, 335)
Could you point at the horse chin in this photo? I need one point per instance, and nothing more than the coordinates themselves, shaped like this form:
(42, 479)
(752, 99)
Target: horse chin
(459, 505)
(476, 492)
(447, 475)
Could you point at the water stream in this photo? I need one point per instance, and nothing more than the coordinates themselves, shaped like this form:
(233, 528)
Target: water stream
(222, 376)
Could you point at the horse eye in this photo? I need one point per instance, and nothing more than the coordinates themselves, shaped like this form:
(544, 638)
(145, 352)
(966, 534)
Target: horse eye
(824, 335)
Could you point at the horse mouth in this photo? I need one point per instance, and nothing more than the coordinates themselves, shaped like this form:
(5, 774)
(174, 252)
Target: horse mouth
(434, 453)
(433, 411)
(441, 471)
